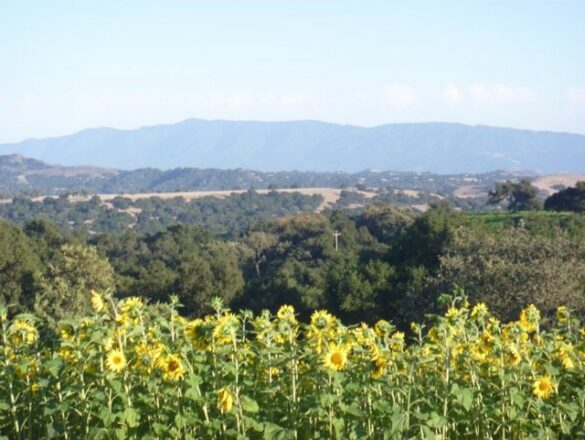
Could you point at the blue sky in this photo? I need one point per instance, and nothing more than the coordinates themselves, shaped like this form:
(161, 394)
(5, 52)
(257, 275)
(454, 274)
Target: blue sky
(70, 65)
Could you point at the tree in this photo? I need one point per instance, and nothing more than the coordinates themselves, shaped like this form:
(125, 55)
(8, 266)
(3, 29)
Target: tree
(509, 270)
(385, 222)
(19, 268)
(186, 261)
(259, 243)
(569, 199)
(65, 290)
(521, 196)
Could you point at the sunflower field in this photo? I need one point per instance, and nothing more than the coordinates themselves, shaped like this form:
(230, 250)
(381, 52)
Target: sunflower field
(133, 370)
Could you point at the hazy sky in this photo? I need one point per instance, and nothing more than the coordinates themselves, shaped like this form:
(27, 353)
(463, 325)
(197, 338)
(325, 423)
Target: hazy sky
(70, 65)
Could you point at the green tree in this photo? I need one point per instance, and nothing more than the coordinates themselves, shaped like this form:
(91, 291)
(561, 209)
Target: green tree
(569, 199)
(521, 196)
(19, 268)
(385, 222)
(511, 269)
(184, 260)
(65, 289)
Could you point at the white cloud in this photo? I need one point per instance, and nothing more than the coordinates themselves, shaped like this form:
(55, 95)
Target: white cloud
(400, 95)
(576, 95)
(452, 95)
(500, 94)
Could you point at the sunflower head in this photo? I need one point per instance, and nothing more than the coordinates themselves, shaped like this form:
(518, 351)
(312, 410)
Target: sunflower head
(336, 357)
(97, 302)
(322, 320)
(131, 304)
(479, 311)
(116, 361)
(529, 318)
(225, 400)
(543, 387)
(23, 333)
(287, 313)
(226, 329)
(172, 368)
(563, 315)
(383, 328)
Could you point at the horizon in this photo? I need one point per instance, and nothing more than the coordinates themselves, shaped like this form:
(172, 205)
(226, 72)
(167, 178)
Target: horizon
(279, 122)
(141, 64)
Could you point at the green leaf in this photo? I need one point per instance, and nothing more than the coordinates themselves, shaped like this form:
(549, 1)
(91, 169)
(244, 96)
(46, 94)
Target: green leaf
(54, 366)
(131, 417)
(193, 394)
(249, 405)
(338, 425)
(107, 417)
(463, 396)
(427, 433)
(436, 421)
(180, 421)
(382, 406)
(354, 410)
(398, 420)
(571, 410)
(273, 432)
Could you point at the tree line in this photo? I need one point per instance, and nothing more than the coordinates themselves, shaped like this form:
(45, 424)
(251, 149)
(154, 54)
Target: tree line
(387, 263)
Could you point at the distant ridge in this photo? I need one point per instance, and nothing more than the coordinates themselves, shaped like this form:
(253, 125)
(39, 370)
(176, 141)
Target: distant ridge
(313, 145)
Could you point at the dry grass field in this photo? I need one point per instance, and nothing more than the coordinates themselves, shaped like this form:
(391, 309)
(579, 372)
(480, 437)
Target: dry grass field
(548, 183)
(330, 195)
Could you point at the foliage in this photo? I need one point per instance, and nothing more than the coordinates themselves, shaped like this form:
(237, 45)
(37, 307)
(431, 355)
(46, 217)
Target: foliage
(535, 223)
(389, 263)
(513, 268)
(568, 199)
(20, 176)
(134, 371)
(520, 196)
(74, 273)
(226, 216)
(184, 260)
(18, 266)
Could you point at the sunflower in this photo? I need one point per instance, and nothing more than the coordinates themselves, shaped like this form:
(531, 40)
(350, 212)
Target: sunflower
(543, 387)
(336, 357)
(397, 341)
(23, 332)
(363, 335)
(97, 302)
(380, 366)
(131, 304)
(565, 355)
(563, 315)
(513, 356)
(322, 320)
(116, 361)
(225, 400)
(453, 313)
(383, 328)
(379, 360)
(287, 313)
(226, 328)
(172, 368)
(479, 311)
(529, 318)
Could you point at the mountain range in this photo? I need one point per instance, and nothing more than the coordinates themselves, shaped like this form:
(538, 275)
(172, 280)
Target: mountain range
(312, 145)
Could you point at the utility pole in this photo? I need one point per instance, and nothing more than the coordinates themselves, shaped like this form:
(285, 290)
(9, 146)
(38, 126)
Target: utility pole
(336, 234)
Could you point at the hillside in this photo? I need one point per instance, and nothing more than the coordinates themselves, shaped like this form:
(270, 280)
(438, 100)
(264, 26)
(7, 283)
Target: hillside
(311, 145)
(33, 177)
